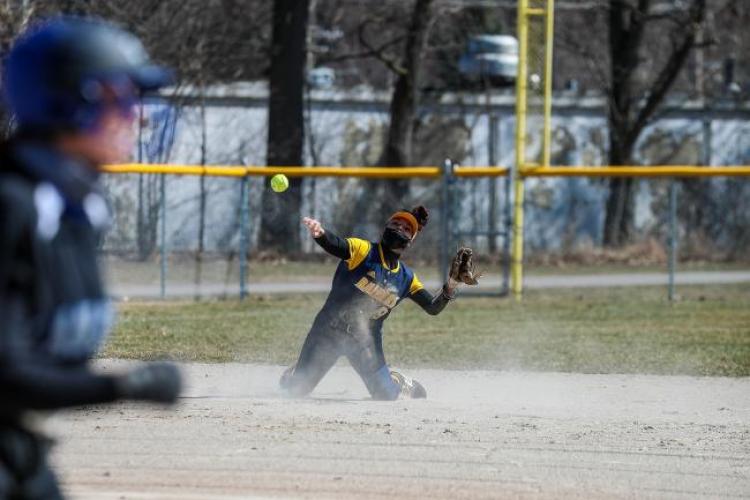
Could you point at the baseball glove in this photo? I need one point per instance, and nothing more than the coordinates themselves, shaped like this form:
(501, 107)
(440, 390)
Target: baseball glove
(462, 268)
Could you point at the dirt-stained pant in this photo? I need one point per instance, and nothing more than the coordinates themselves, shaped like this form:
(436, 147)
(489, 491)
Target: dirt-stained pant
(25, 473)
(325, 343)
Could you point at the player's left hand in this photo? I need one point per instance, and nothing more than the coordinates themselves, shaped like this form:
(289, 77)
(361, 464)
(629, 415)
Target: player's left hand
(462, 269)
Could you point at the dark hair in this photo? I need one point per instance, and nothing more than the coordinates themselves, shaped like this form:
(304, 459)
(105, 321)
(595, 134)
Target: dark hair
(421, 214)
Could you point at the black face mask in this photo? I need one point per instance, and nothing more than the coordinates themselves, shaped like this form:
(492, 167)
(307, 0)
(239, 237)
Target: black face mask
(394, 240)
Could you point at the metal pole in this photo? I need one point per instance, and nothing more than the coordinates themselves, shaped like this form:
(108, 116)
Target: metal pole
(548, 46)
(707, 139)
(243, 237)
(493, 184)
(163, 238)
(507, 228)
(140, 130)
(445, 201)
(517, 256)
(672, 238)
(521, 87)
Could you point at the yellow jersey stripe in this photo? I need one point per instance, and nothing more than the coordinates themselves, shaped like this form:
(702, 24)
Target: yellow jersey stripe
(358, 250)
(416, 285)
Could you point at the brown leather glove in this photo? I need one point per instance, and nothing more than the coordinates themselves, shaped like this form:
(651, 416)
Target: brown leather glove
(462, 271)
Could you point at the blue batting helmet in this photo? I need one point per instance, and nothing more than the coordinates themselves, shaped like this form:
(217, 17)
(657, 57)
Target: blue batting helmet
(55, 73)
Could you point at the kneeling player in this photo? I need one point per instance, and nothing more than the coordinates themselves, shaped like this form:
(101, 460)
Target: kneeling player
(369, 282)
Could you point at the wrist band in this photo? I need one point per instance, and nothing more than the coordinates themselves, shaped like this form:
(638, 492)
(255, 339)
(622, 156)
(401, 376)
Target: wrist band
(446, 294)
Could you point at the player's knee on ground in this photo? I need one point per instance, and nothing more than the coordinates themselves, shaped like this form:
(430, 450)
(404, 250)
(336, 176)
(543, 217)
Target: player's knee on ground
(294, 383)
(381, 386)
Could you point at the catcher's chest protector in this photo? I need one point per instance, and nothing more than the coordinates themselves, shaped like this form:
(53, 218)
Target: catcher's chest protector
(365, 284)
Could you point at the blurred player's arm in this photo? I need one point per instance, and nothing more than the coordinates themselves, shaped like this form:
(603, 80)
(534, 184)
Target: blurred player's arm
(32, 384)
(30, 380)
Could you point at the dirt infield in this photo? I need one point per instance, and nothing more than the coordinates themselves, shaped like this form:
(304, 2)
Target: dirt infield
(478, 435)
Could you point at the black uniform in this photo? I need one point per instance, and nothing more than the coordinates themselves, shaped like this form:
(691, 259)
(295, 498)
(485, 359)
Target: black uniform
(63, 80)
(53, 310)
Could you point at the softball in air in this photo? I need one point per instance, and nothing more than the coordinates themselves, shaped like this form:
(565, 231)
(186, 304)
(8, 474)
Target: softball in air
(279, 183)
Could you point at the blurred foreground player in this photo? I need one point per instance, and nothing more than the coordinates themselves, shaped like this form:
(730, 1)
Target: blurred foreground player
(71, 85)
(369, 282)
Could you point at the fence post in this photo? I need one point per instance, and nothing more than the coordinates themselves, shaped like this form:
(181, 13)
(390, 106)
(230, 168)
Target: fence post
(243, 236)
(163, 237)
(493, 184)
(672, 238)
(445, 209)
(507, 232)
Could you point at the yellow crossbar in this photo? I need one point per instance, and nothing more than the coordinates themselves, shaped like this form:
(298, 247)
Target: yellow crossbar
(322, 171)
(480, 171)
(639, 171)
(139, 168)
(241, 171)
(432, 172)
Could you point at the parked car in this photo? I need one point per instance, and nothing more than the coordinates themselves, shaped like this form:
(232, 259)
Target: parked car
(490, 58)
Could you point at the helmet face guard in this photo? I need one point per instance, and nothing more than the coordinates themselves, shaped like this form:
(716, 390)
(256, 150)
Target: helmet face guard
(61, 74)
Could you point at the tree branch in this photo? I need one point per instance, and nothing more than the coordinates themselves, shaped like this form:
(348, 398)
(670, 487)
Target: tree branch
(366, 53)
(589, 58)
(670, 71)
(390, 61)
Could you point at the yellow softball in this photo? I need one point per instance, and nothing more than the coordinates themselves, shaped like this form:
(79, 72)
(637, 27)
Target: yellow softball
(279, 183)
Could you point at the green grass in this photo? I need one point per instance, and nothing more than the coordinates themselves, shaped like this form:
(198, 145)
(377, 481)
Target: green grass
(625, 330)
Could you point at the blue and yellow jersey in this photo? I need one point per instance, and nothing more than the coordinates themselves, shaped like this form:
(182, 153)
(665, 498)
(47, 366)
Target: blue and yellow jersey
(364, 287)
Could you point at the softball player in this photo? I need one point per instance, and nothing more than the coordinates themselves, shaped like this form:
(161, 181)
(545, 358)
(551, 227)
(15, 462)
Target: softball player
(71, 85)
(370, 281)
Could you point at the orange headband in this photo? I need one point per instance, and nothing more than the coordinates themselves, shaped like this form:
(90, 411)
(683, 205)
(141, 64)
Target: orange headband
(408, 217)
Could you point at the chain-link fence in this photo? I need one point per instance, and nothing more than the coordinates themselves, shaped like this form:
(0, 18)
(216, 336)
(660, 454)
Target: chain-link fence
(203, 227)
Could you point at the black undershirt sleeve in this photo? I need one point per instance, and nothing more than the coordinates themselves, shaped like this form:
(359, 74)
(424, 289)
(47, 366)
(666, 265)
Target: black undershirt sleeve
(30, 380)
(432, 305)
(334, 245)
(33, 385)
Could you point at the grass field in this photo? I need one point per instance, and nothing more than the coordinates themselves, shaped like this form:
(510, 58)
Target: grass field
(627, 330)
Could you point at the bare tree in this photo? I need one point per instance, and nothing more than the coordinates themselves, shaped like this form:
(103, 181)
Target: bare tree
(637, 85)
(408, 67)
(406, 92)
(14, 17)
(280, 218)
